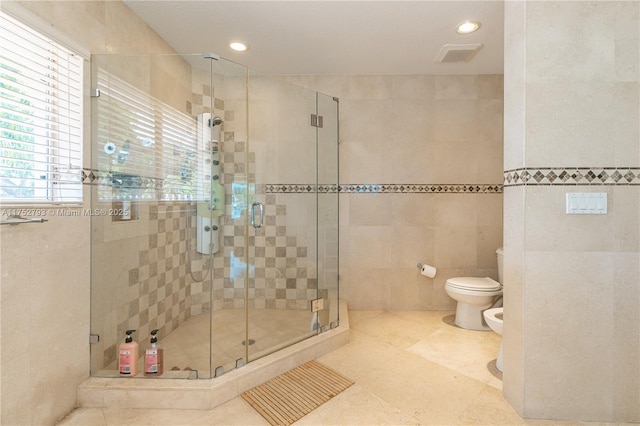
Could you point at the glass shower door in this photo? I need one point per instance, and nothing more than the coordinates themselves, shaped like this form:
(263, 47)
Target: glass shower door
(280, 241)
(283, 215)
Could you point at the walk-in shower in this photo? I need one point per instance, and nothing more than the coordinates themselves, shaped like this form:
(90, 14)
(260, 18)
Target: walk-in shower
(215, 192)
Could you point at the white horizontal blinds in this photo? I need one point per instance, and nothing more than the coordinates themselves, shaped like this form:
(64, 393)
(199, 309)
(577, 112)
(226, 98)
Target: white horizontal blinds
(126, 139)
(179, 154)
(146, 146)
(40, 118)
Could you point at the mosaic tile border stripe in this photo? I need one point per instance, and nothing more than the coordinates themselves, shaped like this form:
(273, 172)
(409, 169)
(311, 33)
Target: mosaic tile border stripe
(514, 177)
(572, 176)
(299, 188)
(91, 176)
(97, 177)
(366, 188)
(101, 177)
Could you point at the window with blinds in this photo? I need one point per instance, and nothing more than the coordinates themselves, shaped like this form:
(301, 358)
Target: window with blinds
(40, 118)
(146, 147)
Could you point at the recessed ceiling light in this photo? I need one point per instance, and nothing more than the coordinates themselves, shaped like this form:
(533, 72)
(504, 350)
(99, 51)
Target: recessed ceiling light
(239, 46)
(468, 27)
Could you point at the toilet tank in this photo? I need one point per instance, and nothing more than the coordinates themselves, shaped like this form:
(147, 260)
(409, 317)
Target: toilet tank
(499, 254)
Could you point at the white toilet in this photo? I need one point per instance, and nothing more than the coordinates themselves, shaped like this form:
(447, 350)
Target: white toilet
(494, 320)
(474, 295)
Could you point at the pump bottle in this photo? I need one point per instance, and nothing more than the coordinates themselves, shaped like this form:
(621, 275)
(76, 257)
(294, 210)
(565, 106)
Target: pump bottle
(128, 356)
(153, 357)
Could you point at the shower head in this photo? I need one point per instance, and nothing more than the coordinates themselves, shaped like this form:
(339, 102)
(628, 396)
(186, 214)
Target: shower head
(215, 121)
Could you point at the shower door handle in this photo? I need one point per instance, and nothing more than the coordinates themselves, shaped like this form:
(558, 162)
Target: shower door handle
(254, 223)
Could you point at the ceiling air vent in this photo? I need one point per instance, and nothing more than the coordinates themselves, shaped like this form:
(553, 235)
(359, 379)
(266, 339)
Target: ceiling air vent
(457, 52)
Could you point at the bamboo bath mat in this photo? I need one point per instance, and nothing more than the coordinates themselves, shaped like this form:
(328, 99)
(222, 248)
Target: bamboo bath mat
(294, 394)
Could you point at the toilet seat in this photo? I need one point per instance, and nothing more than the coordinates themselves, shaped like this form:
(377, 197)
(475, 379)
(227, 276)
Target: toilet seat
(474, 284)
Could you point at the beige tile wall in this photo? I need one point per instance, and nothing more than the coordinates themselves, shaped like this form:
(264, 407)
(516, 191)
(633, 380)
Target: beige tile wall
(416, 129)
(44, 329)
(572, 285)
(395, 129)
(45, 268)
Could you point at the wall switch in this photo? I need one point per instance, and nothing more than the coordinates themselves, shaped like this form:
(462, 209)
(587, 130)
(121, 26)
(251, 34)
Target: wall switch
(586, 203)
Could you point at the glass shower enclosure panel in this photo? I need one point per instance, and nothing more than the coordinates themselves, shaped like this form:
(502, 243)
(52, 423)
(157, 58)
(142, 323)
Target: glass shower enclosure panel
(214, 205)
(165, 166)
(283, 236)
(230, 183)
(328, 108)
(224, 215)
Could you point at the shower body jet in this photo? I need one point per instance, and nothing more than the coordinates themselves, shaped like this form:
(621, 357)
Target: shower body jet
(215, 121)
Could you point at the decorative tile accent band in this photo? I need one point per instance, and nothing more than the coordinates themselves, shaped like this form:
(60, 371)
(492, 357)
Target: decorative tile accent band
(97, 177)
(90, 176)
(514, 177)
(101, 177)
(573, 176)
(299, 188)
(366, 188)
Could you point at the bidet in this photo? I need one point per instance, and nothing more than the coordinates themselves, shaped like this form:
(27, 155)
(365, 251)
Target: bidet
(493, 317)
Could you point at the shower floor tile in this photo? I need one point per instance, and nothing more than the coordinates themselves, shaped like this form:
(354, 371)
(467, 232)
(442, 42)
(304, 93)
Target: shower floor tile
(269, 330)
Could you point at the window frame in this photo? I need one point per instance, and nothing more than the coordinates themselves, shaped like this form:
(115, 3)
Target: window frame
(70, 146)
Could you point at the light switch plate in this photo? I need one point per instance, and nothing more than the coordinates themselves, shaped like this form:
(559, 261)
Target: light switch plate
(586, 203)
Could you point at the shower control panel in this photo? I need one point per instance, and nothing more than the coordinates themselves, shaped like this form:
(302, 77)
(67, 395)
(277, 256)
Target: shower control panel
(586, 203)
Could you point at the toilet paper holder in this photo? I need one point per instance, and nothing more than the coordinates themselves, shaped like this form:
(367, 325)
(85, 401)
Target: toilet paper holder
(427, 270)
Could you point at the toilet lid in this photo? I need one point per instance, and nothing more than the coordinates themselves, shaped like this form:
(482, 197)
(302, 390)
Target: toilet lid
(474, 283)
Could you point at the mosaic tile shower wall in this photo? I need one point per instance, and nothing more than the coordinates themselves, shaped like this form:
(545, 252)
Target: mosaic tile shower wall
(160, 279)
(281, 275)
(143, 272)
(285, 277)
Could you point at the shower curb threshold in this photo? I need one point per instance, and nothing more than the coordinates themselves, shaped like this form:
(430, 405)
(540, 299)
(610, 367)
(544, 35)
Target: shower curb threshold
(205, 394)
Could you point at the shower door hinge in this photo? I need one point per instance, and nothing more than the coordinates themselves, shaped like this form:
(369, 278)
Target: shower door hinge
(317, 305)
(316, 120)
(94, 338)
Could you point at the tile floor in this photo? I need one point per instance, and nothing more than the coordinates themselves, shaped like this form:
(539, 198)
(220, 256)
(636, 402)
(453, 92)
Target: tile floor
(409, 368)
(269, 329)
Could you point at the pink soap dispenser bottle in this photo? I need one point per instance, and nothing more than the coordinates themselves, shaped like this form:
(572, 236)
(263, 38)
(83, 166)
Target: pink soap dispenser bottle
(153, 357)
(128, 356)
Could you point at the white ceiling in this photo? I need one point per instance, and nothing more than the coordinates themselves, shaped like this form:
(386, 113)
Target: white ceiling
(331, 37)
